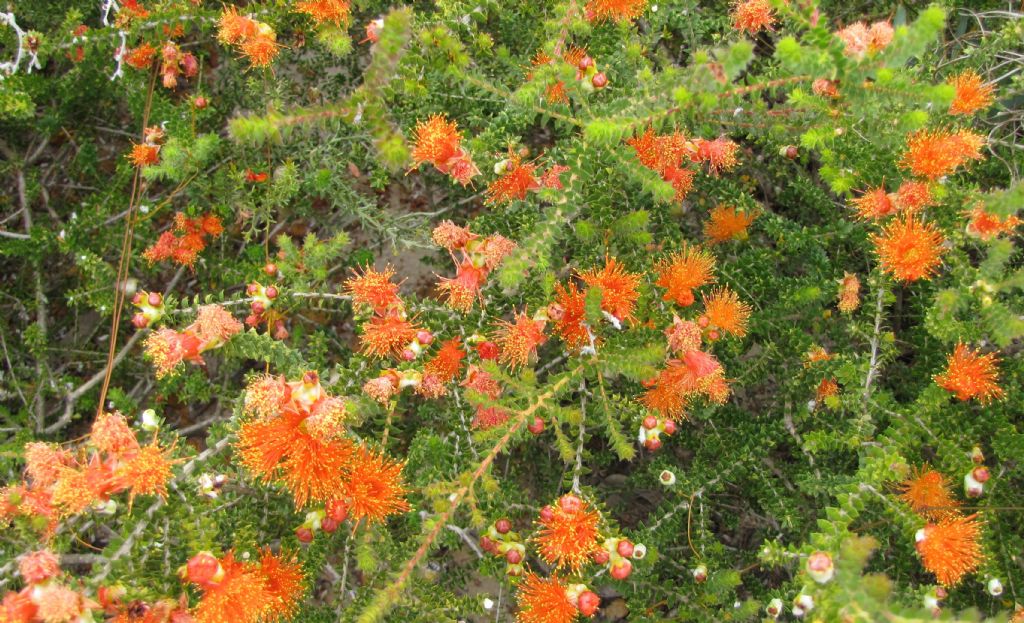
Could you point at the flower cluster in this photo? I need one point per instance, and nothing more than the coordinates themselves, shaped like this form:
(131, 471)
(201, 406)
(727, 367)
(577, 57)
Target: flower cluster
(151, 308)
(517, 178)
(666, 154)
(256, 40)
(295, 435)
(61, 482)
(849, 293)
(439, 142)
(552, 600)
(752, 16)
(474, 257)
(174, 63)
(45, 598)
(501, 540)
(337, 12)
(617, 10)
(861, 39)
(245, 591)
(183, 244)
(389, 331)
(213, 327)
(263, 298)
(987, 226)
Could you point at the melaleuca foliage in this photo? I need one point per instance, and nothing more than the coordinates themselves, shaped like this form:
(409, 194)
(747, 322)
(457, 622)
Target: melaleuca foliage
(320, 310)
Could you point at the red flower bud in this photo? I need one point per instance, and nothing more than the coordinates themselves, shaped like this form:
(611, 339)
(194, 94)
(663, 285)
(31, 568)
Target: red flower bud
(570, 503)
(514, 556)
(585, 62)
(547, 513)
(203, 568)
(624, 548)
(601, 556)
(200, 102)
(653, 444)
(599, 80)
(981, 474)
(137, 298)
(270, 269)
(140, 321)
(503, 526)
(155, 299)
(252, 289)
(329, 525)
(271, 292)
(408, 354)
(621, 569)
(536, 426)
(424, 337)
(488, 350)
(257, 307)
(670, 427)
(337, 510)
(304, 535)
(587, 603)
(650, 422)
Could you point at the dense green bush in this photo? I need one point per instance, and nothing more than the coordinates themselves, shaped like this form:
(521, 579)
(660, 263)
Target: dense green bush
(706, 311)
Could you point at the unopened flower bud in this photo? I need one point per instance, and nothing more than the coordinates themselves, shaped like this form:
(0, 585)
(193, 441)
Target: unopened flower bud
(774, 608)
(667, 478)
(820, 567)
(700, 574)
(149, 420)
(995, 587)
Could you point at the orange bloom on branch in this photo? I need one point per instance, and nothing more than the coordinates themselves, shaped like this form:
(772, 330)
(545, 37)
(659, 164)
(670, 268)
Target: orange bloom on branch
(753, 15)
(387, 335)
(951, 548)
(683, 272)
(442, 369)
(913, 196)
(145, 472)
(372, 486)
(618, 288)
(571, 317)
(725, 311)
(719, 154)
(927, 492)
(874, 204)
(935, 153)
(374, 289)
(336, 12)
(969, 374)
(144, 155)
(285, 582)
(986, 226)
(568, 534)
(727, 223)
(849, 293)
(618, 10)
(240, 596)
(909, 249)
(519, 340)
(439, 142)
(543, 600)
(517, 180)
(233, 28)
(111, 434)
(972, 94)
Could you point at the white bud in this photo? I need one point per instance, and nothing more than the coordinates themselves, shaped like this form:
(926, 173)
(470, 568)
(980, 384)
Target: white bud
(774, 608)
(820, 567)
(804, 602)
(639, 551)
(666, 478)
(995, 587)
(488, 603)
(973, 488)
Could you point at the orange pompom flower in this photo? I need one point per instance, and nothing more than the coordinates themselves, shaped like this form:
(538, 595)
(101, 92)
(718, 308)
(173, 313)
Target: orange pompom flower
(262, 49)
(928, 494)
(685, 270)
(969, 374)
(724, 310)
(909, 249)
(570, 316)
(951, 548)
(40, 566)
(520, 339)
(618, 289)
(241, 595)
(442, 369)
(374, 289)
(44, 462)
(233, 28)
(285, 582)
(849, 293)
(144, 155)
(913, 196)
(727, 223)
(719, 154)
(336, 12)
(986, 226)
(568, 533)
(439, 142)
(517, 180)
(111, 434)
(972, 94)
(671, 391)
(752, 15)
(373, 487)
(874, 204)
(387, 335)
(934, 153)
(543, 600)
(141, 57)
(145, 472)
(656, 152)
(618, 10)
(826, 389)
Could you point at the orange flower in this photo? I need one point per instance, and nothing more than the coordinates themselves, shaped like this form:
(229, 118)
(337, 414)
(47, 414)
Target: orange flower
(517, 180)
(387, 335)
(752, 15)
(44, 462)
(816, 354)
(987, 226)
(442, 369)
(451, 236)
(874, 205)
(36, 567)
(489, 417)
(241, 596)
(685, 270)
(972, 94)
(568, 534)
(439, 142)
(908, 249)
(970, 374)
(285, 582)
(280, 449)
(141, 57)
(725, 311)
(671, 391)
(373, 487)
(683, 336)
(233, 28)
(659, 152)
(520, 339)
(935, 153)
(146, 472)
(726, 223)
(481, 382)
(571, 316)
(263, 48)
(336, 12)
(167, 348)
(860, 39)
(144, 155)
(825, 88)
(912, 196)
(618, 288)
(849, 293)
(188, 239)
(719, 154)
(544, 601)
(462, 291)
(78, 489)
(826, 389)
(927, 494)
(681, 180)
(951, 548)
(618, 10)
(374, 289)
(110, 434)
(59, 603)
